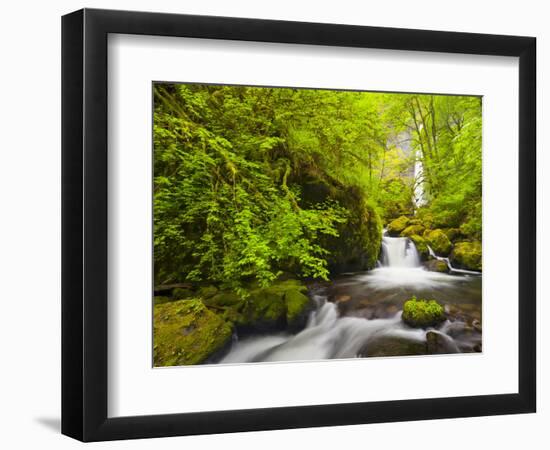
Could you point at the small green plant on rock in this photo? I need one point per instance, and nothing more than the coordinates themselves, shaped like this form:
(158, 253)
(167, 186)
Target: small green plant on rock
(422, 313)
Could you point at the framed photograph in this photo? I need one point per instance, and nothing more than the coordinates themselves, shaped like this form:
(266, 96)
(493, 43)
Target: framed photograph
(273, 224)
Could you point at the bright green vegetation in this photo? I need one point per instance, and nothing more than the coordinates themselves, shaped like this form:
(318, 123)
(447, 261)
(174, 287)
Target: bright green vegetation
(260, 191)
(250, 183)
(467, 255)
(186, 332)
(422, 313)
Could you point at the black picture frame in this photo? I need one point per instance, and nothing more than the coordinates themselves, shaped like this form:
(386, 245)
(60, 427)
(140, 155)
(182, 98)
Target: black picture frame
(84, 224)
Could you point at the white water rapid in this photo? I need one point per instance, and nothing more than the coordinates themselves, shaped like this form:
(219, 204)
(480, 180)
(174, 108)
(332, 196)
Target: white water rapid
(326, 336)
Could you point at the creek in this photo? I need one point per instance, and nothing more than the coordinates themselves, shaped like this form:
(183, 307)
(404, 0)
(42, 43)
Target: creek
(359, 314)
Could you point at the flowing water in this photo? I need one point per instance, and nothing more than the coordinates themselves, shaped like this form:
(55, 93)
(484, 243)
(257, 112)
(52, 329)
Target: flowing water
(359, 314)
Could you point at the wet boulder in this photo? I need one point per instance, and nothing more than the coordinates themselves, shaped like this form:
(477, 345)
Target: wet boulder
(392, 346)
(438, 343)
(283, 305)
(436, 265)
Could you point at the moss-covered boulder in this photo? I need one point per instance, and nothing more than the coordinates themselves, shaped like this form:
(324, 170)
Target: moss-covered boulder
(223, 298)
(160, 299)
(421, 246)
(186, 332)
(296, 307)
(397, 226)
(435, 265)
(412, 230)
(422, 313)
(182, 293)
(439, 242)
(452, 233)
(283, 305)
(467, 255)
(207, 292)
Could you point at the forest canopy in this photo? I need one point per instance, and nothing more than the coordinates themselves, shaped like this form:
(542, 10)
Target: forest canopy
(252, 183)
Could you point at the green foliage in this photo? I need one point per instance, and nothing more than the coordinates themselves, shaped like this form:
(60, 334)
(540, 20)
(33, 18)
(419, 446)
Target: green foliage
(230, 167)
(447, 132)
(422, 313)
(253, 182)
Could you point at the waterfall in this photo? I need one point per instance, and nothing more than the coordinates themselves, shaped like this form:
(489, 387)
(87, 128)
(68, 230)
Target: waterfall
(399, 252)
(448, 262)
(419, 197)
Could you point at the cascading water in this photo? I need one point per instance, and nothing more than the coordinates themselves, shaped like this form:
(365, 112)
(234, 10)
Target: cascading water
(399, 252)
(449, 265)
(326, 336)
(419, 196)
(378, 295)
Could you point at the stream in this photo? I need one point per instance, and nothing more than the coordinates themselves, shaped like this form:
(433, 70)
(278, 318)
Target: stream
(359, 314)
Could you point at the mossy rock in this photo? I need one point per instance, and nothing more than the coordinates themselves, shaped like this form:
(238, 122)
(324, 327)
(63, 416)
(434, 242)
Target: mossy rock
(439, 242)
(467, 255)
(160, 299)
(282, 305)
(411, 230)
(435, 265)
(392, 346)
(395, 227)
(452, 233)
(207, 292)
(296, 306)
(182, 293)
(421, 246)
(422, 313)
(186, 332)
(223, 298)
